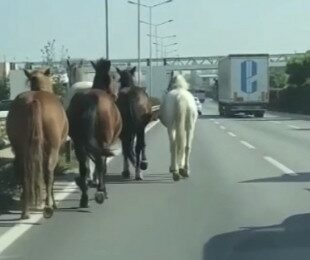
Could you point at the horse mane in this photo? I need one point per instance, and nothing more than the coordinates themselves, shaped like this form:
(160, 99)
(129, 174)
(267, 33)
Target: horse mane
(40, 80)
(102, 78)
(178, 82)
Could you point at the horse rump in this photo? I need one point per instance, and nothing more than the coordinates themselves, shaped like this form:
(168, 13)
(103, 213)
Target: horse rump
(82, 125)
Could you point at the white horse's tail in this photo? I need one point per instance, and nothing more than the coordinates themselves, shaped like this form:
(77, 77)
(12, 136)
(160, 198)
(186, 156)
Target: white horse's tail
(180, 122)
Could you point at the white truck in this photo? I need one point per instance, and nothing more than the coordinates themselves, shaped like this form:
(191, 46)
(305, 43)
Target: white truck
(243, 81)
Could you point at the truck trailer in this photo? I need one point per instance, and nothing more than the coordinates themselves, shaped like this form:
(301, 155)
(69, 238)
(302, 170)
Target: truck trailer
(243, 84)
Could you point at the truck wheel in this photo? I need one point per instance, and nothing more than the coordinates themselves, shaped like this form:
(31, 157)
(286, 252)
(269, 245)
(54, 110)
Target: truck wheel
(259, 114)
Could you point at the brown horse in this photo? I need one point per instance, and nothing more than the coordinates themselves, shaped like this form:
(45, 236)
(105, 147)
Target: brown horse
(136, 110)
(95, 124)
(37, 126)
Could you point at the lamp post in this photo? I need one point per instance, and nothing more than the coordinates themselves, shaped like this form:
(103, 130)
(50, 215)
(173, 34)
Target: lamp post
(150, 7)
(171, 51)
(168, 45)
(106, 29)
(162, 42)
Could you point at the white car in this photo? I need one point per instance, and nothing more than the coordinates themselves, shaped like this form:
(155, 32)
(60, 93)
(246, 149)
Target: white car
(199, 106)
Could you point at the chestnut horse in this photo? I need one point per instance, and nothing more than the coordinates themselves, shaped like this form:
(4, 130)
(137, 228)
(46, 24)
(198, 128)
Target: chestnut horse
(37, 126)
(95, 124)
(136, 110)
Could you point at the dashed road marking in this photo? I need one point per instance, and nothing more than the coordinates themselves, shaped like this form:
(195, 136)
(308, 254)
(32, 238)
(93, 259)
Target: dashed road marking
(216, 122)
(248, 145)
(279, 165)
(293, 126)
(231, 134)
(222, 127)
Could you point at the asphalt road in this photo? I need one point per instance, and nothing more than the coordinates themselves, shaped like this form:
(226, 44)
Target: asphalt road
(247, 198)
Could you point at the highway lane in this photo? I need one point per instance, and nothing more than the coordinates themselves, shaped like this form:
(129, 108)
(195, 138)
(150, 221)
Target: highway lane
(233, 189)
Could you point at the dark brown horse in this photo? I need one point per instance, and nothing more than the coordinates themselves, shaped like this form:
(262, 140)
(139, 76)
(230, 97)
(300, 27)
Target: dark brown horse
(95, 124)
(136, 110)
(37, 126)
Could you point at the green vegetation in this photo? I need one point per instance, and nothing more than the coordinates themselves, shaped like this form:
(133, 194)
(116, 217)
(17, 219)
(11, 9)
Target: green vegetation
(295, 96)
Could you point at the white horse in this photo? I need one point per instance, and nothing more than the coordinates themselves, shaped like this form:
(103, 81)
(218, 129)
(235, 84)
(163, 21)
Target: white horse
(178, 112)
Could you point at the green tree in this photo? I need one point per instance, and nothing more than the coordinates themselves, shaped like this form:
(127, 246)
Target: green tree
(278, 79)
(49, 53)
(298, 70)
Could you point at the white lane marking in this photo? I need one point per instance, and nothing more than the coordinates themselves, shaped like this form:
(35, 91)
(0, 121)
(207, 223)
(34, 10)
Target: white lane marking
(231, 134)
(212, 119)
(222, 127)
(216, 122)
(293, 126)
(10, 236)
(275, 122)
(279, 165)
(248, 145)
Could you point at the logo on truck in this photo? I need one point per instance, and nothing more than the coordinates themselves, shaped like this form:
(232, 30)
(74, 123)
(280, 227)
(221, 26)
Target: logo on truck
(249, 76)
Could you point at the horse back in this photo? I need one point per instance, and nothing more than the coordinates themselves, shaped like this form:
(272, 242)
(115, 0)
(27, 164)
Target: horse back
(53, 117)
(107, 118)
(135, 106)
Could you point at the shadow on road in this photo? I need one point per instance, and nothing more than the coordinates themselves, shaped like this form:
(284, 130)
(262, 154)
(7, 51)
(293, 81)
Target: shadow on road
(148, 179)
(289, 240)
(298, 177)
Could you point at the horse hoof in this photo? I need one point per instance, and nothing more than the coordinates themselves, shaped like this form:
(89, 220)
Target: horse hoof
(143, 165)
(126, 174)
(48, 212)
(184, 173)
(99, 197)
(138, 178)
(25, 216)
(176, 177)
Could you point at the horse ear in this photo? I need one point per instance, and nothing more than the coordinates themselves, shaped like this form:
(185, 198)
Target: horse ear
(118, 70)
(133, 70)
(81, 63)
(28, 74)
(47, 72)
(93, 64)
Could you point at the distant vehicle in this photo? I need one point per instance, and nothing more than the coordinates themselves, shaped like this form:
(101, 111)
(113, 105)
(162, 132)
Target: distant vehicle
(243, 85)
(201, 95)
(199, 106)
(5, 106)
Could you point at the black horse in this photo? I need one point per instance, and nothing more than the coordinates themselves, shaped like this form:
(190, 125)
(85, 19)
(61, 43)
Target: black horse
(136, 110)
(95, 124)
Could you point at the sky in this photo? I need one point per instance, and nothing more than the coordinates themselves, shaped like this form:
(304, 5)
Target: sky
(202, 27)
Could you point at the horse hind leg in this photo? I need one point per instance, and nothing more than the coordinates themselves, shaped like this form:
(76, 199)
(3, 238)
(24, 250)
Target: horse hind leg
(173, 155)
(101, 166)
(50, 166)
(139, 149)
(81, 180)
(126, 170)
(144, 162)
(189, 138)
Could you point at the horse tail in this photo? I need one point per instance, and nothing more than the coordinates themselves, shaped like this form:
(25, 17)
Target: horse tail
(180, 122)
(33, 154)
(88, 131)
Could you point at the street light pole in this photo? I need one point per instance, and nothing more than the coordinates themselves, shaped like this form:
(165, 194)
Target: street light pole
(150, 43)
(139, 57)
(150, 46)
(106, 29)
